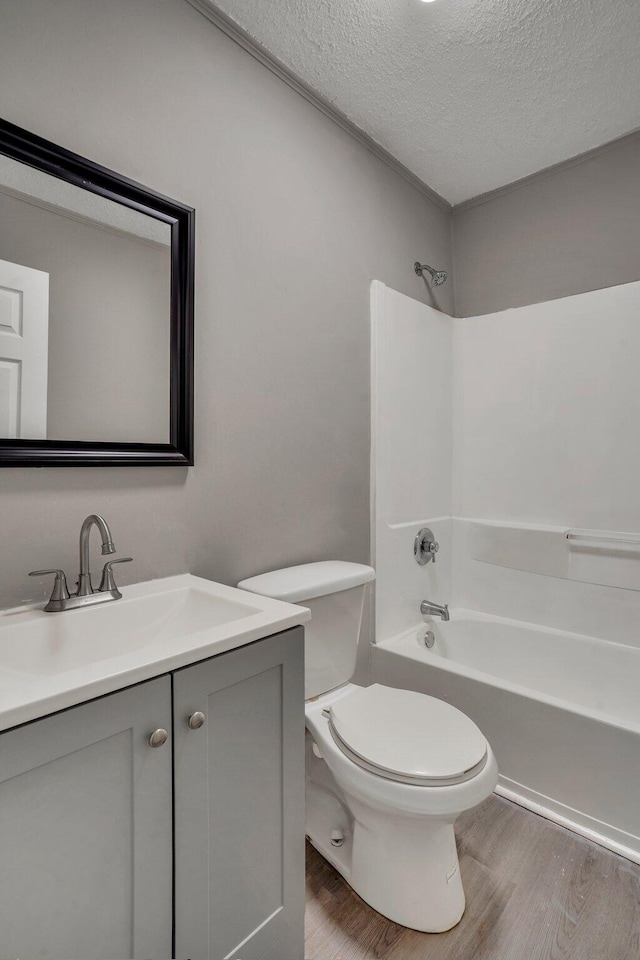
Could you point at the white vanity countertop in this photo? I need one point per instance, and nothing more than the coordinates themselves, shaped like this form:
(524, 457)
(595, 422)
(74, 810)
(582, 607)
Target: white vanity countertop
(50, 661)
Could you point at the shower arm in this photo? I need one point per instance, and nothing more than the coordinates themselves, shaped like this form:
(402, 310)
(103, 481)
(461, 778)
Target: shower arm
(419, 267)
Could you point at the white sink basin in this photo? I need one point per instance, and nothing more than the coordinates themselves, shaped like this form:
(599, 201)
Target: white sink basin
(58, 642)
(49, 661)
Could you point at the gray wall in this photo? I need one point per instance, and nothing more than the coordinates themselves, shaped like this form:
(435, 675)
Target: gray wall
(294, 218)
(568, 231)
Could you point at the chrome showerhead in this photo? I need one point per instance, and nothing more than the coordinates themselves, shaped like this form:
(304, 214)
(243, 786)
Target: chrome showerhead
(438, 277)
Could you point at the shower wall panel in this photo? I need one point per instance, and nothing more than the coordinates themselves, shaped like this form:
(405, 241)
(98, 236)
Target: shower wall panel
(412, 451)
(546, 411)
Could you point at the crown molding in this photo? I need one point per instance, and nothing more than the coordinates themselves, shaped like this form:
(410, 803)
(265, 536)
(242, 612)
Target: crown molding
(551, 171)
(240, 36)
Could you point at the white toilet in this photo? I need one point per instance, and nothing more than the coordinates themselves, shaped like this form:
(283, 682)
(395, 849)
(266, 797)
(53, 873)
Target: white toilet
(388, 771)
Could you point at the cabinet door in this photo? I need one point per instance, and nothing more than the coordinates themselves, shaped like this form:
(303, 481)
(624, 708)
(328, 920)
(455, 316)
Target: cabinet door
(239, 803)
(85, 831)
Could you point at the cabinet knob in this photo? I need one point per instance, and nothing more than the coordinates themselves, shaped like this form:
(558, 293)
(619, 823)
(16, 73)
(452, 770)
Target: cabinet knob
(196, 720)
(158, 737)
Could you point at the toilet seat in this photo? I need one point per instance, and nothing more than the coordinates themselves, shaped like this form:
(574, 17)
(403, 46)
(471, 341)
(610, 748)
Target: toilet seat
(407, 736)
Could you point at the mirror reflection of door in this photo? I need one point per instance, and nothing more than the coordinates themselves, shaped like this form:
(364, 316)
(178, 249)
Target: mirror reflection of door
(24, 338)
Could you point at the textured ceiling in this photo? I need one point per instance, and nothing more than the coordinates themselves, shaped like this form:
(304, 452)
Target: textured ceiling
(468, 94)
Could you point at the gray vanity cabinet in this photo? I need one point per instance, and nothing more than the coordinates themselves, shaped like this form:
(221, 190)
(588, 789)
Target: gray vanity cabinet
(85, 831)
(239, 803)
(95, 822)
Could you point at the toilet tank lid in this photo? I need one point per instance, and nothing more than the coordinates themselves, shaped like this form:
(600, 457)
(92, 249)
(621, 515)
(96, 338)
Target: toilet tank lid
(309, 580)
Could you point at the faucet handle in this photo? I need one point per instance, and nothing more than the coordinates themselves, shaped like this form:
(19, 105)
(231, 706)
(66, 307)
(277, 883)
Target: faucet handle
(108, 584)
(425, 546)
(60, 591)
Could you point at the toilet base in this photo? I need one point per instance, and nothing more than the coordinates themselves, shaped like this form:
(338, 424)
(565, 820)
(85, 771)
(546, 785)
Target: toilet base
(406, 869)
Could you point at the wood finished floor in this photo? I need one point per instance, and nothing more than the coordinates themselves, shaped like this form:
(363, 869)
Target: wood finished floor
(534, 891)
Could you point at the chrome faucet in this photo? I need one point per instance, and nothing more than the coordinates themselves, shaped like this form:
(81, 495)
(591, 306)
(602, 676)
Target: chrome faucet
(86, 595)
(85, 588)
(429, 609)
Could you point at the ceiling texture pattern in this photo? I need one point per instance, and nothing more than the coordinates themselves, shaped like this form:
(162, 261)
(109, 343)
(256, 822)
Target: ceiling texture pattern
(469, 95)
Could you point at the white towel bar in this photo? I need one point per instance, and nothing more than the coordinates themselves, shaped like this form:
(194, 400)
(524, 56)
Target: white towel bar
(603, 536)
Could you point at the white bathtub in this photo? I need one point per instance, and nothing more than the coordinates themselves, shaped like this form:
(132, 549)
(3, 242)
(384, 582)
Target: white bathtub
(561, 711)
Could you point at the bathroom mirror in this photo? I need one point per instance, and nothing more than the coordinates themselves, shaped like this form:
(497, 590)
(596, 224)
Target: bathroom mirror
(96, 313)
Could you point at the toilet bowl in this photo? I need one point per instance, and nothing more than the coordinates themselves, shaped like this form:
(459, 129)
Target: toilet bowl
(395, 837)
(388, 771)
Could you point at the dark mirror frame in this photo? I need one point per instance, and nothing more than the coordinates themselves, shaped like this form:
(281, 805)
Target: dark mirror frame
(28, 148)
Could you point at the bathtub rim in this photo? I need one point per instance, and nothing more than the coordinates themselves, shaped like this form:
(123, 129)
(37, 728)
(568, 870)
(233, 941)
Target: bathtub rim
(438, 662)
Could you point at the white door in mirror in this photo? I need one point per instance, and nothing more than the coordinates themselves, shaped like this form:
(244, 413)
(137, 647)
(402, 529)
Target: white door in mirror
(24, 336)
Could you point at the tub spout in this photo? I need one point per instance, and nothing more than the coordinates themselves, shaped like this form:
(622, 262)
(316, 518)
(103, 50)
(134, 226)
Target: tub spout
(428, 609)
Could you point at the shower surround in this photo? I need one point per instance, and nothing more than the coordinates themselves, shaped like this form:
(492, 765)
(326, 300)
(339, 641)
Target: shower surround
(503, 433)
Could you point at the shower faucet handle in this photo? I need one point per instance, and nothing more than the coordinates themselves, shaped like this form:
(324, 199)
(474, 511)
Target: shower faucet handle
(425, 546)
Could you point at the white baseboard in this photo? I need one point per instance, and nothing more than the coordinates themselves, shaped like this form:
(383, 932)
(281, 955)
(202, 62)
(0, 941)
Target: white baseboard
(618, 841)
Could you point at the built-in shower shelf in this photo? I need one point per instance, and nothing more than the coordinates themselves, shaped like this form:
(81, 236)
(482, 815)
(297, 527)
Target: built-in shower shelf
(605, 557)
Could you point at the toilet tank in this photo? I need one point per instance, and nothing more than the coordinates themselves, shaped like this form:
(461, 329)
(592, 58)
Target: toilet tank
(334, 592)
